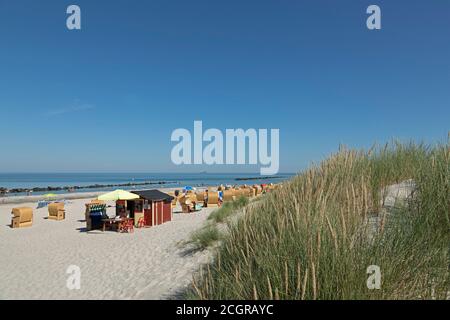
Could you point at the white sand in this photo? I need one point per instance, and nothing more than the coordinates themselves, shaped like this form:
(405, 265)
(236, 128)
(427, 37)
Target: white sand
(147, 264)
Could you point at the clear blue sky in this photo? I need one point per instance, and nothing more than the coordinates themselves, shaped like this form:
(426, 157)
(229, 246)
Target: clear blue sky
(70, 100)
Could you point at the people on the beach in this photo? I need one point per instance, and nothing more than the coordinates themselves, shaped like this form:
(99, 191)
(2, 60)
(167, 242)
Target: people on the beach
(220, 194)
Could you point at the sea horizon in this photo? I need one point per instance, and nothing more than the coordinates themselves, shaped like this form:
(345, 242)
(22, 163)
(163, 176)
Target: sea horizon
(98, 181)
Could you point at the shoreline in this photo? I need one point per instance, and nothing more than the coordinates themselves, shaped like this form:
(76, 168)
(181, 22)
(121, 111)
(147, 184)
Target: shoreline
(18, 199)
(63, 196)
(70, 196)
(5, 191)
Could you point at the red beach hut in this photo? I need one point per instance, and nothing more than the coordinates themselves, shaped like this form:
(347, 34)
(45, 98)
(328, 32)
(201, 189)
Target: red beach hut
(157, 206)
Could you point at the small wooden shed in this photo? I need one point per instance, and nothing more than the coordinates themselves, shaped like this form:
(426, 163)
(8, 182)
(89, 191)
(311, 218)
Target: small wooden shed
(156, 206)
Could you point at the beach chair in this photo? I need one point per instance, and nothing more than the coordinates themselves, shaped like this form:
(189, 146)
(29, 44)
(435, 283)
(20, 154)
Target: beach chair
(257, 189)
(56, 211)
(246, 192)
(186, 208)
(95, 211)
(228, 195)
(189, 205)
(192, 196)
(237, 193)
(174, 200)
(186, 204)
(22, 217)
(213, 199)
(200, 198)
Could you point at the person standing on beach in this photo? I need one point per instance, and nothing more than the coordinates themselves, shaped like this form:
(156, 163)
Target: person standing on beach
(206, 198)
(220, 194)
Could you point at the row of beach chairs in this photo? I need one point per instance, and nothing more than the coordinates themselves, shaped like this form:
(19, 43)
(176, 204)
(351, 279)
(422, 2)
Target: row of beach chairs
(23, 216)
(192, 201)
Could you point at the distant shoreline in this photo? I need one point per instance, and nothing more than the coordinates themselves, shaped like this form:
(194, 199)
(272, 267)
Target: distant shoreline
(58, 197)
(72, 188)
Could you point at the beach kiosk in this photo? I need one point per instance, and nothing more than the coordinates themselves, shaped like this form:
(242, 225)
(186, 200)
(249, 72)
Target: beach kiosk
(125, 204)
(155, 206)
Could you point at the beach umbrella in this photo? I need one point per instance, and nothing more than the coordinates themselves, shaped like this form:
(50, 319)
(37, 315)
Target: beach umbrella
(118, 195)
(50, 195)
(188, 188)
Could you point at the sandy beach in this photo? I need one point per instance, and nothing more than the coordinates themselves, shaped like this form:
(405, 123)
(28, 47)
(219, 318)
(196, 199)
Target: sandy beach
(147, 264)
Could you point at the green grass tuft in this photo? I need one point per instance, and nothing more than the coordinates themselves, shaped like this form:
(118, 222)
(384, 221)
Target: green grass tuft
(205, 237)
(227, 209)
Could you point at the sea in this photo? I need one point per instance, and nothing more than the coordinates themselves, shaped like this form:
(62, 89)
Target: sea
(88, 182)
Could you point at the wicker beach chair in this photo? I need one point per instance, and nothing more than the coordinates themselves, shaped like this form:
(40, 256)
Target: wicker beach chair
(174, 200)
(200, 198)
(56, 211)
(22, 217)
(228, 195)
(237, 193)
(213, 199)
(186, 203)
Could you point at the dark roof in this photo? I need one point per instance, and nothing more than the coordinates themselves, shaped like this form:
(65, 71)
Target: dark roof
(153, 195)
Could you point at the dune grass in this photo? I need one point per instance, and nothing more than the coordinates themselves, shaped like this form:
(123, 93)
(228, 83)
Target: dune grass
(205, 237)
(209, 234)
(227, 209)
(309, 239)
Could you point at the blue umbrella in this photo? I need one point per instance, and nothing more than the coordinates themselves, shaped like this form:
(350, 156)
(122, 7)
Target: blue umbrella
(188, 188)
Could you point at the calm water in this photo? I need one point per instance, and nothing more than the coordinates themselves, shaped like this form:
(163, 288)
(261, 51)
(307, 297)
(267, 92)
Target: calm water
(32, 180)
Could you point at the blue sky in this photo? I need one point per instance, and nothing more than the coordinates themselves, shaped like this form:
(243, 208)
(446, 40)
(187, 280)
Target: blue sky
(107, 97)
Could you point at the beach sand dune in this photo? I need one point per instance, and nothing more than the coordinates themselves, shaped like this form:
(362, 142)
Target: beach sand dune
(147, 264)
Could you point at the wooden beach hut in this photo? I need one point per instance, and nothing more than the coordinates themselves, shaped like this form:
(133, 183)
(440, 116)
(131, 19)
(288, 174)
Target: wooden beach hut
(155, 207)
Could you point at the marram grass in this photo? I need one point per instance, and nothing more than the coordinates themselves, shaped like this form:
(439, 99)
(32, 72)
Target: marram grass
(310, 238)
(221, 214)
(204, 237)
